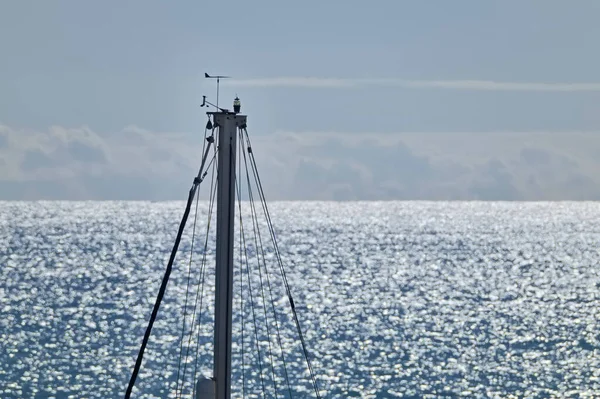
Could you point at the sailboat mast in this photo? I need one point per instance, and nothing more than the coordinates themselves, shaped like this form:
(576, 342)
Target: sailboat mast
(228, 124)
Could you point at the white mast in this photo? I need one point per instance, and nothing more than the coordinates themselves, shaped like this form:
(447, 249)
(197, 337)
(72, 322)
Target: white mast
(228, 124)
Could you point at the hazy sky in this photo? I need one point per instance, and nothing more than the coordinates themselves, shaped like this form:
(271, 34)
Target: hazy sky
(76, 76)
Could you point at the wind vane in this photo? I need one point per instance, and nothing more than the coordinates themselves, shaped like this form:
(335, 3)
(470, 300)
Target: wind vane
(218, 77)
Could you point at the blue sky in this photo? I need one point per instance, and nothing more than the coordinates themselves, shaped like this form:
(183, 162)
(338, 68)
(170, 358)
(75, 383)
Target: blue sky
(111, 64)
(378, 67)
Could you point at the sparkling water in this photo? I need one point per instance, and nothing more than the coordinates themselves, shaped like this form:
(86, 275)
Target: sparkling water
(396, 300)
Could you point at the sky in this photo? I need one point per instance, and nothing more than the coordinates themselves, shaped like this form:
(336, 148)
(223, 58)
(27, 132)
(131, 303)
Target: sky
(349, 100)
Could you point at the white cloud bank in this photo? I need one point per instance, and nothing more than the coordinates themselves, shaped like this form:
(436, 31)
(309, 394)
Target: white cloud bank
(487, 85)
(78, 163)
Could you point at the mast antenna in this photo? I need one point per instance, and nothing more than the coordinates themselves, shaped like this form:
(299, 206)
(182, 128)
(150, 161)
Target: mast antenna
(218, 77)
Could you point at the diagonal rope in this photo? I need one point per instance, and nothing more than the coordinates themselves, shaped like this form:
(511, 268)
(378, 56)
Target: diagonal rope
(200, 289)
(189, 276)
(187, 291)
(239, 197)
(262, 380)
(254, 227)
(185, 363)
(262, 253)
(163, 286)
(280, 262)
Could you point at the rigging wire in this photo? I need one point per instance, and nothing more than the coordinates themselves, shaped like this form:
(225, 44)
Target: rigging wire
(260, 368)
(240, 144)
(280, 262)
(187, 291)
(254, 227)
(200, 289)
(212, 162)
(262, 253)
(163, 286)
(189, 276)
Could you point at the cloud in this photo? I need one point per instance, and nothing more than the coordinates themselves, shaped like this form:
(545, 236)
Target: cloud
(434, 166)
(137, 164)
(78, 163)
(502, 86)
(294, 82)
(34, 160)
(486, 85)
(3, 139)
(494, 181)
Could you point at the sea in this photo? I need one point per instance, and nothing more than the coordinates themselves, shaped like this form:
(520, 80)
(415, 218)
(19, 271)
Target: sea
(393, 299)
